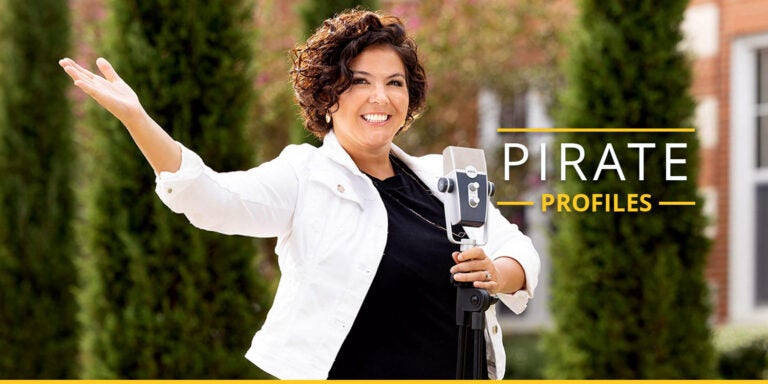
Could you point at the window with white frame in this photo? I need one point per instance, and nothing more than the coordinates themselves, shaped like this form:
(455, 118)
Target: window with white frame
(748, 243)
(527, 109)
(761, 183)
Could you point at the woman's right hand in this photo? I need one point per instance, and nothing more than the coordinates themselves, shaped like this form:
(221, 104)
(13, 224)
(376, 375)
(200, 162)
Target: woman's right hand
(119, 99)
(110, 91)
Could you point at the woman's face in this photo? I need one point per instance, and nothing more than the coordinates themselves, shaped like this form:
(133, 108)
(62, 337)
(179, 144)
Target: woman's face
(374, 107)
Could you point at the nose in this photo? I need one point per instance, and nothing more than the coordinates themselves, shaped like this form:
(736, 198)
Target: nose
(379, 96)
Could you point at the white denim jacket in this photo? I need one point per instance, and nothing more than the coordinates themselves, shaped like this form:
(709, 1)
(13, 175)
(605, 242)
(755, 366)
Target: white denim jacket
(331, 227)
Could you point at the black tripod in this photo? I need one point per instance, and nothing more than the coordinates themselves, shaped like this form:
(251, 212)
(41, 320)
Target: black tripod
(467, 191)
(471, 304)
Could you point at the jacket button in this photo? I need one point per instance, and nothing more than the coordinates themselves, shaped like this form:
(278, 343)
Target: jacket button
(340, 188)
(495, 329)
(170, 190)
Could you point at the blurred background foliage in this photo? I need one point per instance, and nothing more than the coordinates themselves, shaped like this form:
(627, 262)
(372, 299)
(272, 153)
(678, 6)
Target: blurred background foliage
(158, 297)
(38, 331)
(631, 298)
(741, 354)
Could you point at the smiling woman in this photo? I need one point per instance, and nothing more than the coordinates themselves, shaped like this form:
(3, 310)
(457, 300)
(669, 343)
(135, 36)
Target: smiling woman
(359, 222)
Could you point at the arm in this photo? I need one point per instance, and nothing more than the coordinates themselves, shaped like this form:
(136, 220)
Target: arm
(112, 93)
(257, 202)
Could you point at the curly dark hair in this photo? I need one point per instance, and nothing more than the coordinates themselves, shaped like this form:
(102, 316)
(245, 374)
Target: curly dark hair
(321, 70)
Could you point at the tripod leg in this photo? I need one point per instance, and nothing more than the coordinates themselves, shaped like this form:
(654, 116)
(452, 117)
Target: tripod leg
(477, 366)
(462, 352)
(478, 327)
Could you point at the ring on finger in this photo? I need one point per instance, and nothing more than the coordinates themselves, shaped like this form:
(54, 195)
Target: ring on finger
(487, 276)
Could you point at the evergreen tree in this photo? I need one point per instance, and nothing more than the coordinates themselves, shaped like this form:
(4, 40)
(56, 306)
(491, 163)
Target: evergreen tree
(163, 299)
(629, 297)
(37, 308)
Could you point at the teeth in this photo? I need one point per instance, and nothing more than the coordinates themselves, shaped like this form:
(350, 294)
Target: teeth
(375, 118)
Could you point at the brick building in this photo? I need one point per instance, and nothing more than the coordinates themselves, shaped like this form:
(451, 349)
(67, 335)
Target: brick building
(729, 42)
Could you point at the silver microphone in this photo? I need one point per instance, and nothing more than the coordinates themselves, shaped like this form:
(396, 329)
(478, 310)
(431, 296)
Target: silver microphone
(467, 191)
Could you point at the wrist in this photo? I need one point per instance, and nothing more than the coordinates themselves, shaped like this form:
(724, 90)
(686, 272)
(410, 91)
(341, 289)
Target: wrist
(511, 276)
(135, 117)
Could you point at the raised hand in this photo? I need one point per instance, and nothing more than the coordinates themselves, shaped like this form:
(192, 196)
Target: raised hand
(110, 91)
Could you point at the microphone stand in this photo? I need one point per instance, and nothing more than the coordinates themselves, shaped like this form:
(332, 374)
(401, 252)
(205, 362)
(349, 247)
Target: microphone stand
(471, 304)
(466, 183)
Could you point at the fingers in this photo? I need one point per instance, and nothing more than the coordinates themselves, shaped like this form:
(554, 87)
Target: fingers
(77, 72)
(74, 70)
(479, 279)
(474, 266)
(479, 276)
(83, 78)
(87, 87)
(92, 84)
(490, 286)
(106, 68)
(109, 91)
(475, 253)
(470, 266)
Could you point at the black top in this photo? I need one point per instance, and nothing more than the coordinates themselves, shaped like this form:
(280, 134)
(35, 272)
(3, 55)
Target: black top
(406, 327)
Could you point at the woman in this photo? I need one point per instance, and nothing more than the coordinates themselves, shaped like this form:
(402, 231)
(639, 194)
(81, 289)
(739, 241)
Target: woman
(364, 291)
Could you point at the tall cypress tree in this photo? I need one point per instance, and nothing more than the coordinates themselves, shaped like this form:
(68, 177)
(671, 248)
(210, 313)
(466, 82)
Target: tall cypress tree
(37, 275)
(163, 299)
(629, 297)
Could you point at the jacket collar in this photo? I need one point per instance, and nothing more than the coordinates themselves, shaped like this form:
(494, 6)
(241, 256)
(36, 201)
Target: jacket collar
(334, 151)
(425, 168)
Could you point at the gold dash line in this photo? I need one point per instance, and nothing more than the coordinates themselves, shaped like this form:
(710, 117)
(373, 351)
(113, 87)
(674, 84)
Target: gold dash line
(677, 203)
(515, 203)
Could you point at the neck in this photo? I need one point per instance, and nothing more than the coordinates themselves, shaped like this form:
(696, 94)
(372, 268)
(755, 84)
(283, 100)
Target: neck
(376, 165)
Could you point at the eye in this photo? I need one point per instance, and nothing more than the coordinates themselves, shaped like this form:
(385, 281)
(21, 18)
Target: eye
(359, 80)
(396, 83)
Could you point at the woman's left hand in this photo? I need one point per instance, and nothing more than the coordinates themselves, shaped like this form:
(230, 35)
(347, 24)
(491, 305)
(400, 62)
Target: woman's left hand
(474, 266)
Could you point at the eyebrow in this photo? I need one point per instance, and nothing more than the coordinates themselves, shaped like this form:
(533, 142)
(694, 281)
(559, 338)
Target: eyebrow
(388, 77)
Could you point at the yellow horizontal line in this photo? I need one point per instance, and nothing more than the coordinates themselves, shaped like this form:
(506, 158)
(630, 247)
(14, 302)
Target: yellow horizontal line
(677, 203)
(596, 130)
(514, 203)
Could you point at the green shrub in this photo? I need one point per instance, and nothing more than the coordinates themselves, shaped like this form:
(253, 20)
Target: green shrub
(742, 352)
(525, 358)
(38, 330)
(162, 299)
(629, 297)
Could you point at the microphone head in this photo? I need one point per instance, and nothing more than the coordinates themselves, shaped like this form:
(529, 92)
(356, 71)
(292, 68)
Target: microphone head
(466, 186)
(464, 158)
